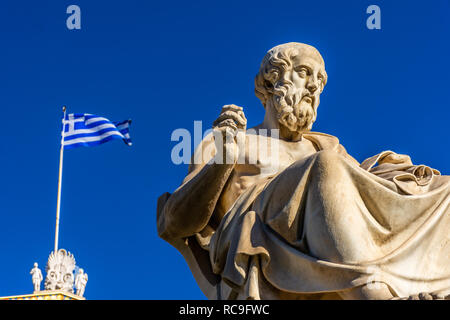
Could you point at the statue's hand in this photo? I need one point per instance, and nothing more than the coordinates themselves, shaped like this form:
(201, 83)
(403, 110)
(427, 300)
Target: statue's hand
(225, 129)
(396, 158)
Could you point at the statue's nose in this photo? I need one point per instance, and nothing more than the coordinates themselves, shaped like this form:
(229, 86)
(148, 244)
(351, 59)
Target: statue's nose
(312, 87)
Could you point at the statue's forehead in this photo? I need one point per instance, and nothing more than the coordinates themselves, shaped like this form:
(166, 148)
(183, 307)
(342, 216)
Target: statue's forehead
(294, 56)
(306, 56)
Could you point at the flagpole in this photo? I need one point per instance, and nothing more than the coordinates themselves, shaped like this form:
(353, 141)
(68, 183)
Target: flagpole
(58, 201)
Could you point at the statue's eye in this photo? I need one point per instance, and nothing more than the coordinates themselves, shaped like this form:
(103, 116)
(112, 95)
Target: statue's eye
(302, 72)
(320, 78)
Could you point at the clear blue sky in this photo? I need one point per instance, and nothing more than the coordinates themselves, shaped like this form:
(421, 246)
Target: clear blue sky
(164, 64)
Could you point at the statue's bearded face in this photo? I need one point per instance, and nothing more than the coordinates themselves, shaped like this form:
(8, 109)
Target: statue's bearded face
(295, 84)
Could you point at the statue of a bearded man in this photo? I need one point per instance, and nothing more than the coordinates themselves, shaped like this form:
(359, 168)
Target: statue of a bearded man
(310, 222)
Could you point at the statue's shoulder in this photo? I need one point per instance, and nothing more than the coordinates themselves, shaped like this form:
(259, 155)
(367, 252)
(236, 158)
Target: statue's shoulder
(322, 141)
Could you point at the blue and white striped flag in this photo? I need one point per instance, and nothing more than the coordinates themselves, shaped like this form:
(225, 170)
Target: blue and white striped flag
(86, 130)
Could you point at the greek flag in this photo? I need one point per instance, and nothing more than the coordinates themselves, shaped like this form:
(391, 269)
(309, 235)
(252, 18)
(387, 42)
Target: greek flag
(86, 130)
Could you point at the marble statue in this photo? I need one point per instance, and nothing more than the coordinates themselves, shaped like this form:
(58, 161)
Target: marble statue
(312, 223)
(60, 267)
(36, 277)
(80, 282)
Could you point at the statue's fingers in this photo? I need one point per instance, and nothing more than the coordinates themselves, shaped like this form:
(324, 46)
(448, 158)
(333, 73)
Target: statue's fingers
(242, 114)
(227, 123)
(240, 122)
(225, 132)
(224, 121)
(232, 107)
(218, 121)
(236, 109)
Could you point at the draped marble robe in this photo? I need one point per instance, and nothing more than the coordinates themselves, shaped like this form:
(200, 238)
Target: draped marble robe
(326, 224)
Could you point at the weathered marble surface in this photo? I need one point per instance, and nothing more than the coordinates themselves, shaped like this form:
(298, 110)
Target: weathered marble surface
(311, 223)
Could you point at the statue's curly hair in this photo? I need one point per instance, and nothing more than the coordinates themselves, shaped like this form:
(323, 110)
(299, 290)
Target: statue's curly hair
(280, 56)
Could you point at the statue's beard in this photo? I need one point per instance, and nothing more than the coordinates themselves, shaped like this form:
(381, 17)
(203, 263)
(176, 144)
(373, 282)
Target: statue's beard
(295, 111)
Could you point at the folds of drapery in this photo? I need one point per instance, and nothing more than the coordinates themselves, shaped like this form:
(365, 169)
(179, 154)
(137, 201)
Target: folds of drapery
(326, 225)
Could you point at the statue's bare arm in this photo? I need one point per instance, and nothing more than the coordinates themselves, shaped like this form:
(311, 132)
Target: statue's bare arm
(190, 207)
